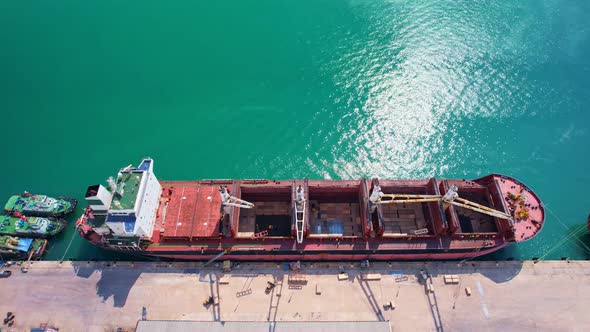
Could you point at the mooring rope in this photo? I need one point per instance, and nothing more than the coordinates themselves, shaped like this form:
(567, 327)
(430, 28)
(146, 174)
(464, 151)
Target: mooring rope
(565, 227)
(69, 244)
(564, 240)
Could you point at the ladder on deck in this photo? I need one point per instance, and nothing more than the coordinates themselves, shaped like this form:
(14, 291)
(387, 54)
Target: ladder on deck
(259, 234)
(300, 222)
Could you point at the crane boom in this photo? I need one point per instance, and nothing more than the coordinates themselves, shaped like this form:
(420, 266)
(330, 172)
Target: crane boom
(480, 208)
(450, 197)
(227, 200)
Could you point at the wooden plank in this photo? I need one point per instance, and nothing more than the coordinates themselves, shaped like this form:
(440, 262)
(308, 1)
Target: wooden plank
(371, 276)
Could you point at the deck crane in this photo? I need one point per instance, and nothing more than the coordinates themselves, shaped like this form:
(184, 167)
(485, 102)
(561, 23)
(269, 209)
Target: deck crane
(377, 197)
(300, 213)
(228, 201)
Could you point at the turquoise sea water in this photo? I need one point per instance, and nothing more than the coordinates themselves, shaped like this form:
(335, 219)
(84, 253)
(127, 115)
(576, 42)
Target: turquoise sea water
(282, 89)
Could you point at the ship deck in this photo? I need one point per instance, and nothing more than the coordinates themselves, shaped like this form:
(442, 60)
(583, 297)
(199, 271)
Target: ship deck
(130, 182)
(187, 210)
(525, 229)
(188, 224)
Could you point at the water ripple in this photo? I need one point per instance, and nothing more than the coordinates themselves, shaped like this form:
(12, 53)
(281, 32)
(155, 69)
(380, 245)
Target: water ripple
(415, 84)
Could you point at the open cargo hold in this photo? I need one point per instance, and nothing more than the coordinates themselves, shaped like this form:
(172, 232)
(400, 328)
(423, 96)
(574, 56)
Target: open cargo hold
(335, 211)
(272, 214)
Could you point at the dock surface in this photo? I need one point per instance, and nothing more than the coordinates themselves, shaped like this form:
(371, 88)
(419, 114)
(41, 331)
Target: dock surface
(102, 296)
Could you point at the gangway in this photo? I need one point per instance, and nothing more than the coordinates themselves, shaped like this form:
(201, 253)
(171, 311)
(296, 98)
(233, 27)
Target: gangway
(218, 256)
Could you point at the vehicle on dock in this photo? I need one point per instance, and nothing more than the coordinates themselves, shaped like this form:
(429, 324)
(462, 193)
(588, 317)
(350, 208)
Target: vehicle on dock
(40, 205)
(21, 248)
(291, 220)
(35, 227)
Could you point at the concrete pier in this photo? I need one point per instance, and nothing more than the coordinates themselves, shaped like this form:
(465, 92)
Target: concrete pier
(102, 296)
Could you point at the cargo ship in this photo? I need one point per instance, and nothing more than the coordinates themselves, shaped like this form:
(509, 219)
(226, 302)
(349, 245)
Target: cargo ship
(315, 220)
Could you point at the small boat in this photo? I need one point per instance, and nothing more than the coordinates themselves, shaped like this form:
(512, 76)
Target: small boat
(40, 205)
(21, 248)
(35, 227)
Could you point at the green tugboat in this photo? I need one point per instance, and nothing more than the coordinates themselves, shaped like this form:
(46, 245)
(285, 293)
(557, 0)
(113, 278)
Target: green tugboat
(36, 227)
(21, 248)
(40, 205)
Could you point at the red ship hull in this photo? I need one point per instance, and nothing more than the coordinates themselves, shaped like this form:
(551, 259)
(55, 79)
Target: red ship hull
(340, 226)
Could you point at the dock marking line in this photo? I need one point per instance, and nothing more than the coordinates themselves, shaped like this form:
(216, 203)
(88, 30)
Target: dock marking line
(484, 308)
(480, 288)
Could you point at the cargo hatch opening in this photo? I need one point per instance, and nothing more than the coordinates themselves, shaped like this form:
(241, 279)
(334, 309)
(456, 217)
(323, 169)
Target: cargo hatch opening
(472, 221)
(334, 211)
(272, 214)
(407, 218)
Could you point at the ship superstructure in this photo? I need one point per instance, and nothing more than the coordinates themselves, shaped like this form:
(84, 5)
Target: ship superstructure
(128, 210)
(309, 219)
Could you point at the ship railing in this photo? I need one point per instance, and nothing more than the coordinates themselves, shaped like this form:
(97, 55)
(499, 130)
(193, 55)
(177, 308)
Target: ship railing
(476, 235)
(216, 181)
(132, 248)
(259, 236)
(407, 236)
(333, 236)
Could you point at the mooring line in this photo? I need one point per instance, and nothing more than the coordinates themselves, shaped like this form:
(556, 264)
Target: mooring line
(564, 240)
(69, 244)
(565, 227)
